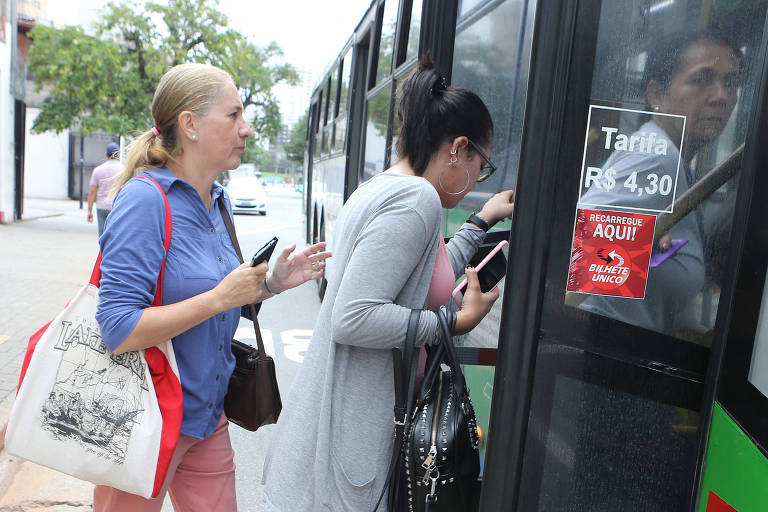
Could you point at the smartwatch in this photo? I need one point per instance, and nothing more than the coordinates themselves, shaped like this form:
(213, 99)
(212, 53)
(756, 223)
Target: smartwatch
(477, 221)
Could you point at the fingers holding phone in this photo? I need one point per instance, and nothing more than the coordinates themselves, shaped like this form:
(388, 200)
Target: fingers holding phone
(475, 303)
(490, 271)
(244, 285)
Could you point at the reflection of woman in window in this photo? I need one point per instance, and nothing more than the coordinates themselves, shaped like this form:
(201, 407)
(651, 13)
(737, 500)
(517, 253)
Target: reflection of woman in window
(696, 76)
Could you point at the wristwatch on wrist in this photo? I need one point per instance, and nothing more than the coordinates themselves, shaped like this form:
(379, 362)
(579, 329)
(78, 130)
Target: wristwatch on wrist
(477, 221)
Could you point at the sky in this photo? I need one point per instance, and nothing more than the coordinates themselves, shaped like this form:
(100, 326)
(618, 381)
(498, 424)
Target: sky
(310, 32)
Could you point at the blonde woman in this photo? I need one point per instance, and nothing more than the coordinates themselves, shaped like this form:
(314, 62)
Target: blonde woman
(199, 131)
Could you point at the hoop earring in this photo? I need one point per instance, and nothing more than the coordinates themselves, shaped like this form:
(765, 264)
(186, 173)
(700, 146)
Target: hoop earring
(452, 163)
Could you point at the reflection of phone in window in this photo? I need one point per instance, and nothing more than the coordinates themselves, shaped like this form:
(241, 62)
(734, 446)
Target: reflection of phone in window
(490, 271)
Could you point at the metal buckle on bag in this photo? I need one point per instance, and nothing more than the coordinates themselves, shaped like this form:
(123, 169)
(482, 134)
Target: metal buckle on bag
(401, 412)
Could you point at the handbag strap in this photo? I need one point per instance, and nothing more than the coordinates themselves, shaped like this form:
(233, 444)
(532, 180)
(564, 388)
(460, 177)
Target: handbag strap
(404, 378)
(233, 236)
(450, 352)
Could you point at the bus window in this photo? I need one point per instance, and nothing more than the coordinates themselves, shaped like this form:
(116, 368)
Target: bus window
(345, 71)
(319, 124)
(468, 6)
(376, 132)
(758, 368)
(333, 94)
(499, 78)
(387, 41)
(684, 83)
(395, 127)
(327, 119)
(414, 31)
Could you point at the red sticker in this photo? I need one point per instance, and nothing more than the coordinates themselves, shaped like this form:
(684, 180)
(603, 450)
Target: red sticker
(610, 254)
(717, 504)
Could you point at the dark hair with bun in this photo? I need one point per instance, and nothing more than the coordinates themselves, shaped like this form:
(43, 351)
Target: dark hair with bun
(431, 113)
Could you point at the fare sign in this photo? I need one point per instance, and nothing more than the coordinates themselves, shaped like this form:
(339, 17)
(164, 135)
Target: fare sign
(611, 252)
(632, 168)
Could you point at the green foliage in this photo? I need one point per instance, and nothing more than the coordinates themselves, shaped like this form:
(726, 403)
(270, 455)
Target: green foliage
(106, 82)
(248, 65)
(297, 143)
(256, 154)
(263, 159)
(252, 150)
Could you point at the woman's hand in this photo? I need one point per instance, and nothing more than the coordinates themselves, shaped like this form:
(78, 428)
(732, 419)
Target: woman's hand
(291, 270)
(244, 285)
(475, 304)
(499, 207)
(665, 242)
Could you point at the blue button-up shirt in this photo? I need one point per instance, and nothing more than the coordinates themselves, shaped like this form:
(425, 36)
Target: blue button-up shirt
(200, 255)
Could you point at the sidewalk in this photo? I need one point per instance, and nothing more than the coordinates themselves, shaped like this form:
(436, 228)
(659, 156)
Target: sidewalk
(44, 259)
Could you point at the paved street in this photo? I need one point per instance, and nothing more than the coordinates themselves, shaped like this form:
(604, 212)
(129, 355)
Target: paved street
(47, 257)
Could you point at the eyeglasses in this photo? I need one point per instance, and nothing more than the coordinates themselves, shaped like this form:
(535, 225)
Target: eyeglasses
(487, 168)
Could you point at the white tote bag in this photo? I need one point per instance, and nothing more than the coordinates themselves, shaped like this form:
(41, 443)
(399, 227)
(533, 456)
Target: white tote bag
(109, 419)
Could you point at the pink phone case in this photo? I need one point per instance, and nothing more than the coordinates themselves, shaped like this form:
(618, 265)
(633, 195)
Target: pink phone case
(485, 260)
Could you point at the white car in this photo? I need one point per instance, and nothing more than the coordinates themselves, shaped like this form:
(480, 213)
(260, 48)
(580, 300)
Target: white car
(247, 195)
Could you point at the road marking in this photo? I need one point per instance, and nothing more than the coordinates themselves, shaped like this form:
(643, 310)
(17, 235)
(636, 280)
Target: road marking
(270, 229)
(4, 338)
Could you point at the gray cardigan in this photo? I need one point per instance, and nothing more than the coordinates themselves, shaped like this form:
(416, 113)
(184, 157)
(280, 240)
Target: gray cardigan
(332, 444)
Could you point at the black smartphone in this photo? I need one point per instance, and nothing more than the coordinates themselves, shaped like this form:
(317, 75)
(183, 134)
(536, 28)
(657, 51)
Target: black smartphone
(491, 265)
(492, 272)
(264, 253)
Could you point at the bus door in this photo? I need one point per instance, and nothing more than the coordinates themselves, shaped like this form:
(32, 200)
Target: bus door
(735, 465)
(636, 157)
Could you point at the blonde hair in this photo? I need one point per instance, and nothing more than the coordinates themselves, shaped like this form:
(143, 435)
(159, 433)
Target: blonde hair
(186, 87)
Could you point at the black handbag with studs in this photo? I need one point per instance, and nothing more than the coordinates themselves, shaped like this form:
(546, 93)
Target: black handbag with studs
(436, 461)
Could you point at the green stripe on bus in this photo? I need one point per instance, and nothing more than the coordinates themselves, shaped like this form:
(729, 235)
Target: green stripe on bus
(735, 469)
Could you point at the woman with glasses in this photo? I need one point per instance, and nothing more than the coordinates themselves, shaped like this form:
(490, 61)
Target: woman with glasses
(333, 441)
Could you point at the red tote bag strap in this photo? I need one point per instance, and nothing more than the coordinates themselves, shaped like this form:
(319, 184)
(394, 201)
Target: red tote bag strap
(165, 381)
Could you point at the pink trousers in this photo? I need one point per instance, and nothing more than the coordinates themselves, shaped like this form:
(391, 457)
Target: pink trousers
(201, 477)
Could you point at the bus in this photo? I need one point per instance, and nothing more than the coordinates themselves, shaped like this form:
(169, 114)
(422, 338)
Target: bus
(611, 375)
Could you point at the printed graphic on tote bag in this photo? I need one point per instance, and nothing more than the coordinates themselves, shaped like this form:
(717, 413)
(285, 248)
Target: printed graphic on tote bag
(95, 401)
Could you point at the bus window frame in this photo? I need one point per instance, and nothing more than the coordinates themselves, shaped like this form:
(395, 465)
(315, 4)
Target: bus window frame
(375, 42)
(388, 82)
(747, 405)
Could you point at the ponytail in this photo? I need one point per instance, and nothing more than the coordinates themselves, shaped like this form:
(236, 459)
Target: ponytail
(143, 153)
(431, 112)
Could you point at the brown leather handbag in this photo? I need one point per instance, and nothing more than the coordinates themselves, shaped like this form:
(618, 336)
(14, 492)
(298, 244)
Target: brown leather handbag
(253, 398)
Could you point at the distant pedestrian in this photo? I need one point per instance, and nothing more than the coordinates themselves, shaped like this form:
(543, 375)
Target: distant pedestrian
(101, 184)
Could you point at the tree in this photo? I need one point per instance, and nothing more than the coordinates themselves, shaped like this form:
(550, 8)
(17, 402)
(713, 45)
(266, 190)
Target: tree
(248, 65)
(106, 82)
(254, 153)
(297, 143)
